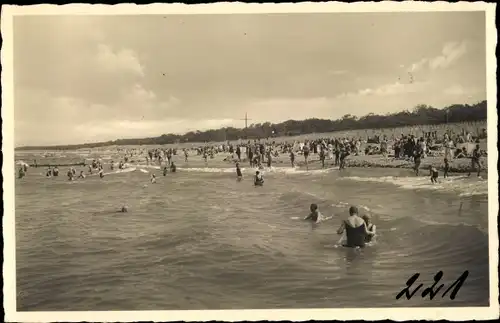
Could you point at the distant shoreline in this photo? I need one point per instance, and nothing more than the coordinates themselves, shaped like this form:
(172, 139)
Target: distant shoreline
(423, 119)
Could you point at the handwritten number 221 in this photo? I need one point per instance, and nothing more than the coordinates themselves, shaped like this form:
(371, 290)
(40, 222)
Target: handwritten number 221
(432, 291)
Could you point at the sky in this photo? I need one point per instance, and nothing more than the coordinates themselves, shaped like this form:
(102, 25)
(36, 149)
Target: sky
(96, 78)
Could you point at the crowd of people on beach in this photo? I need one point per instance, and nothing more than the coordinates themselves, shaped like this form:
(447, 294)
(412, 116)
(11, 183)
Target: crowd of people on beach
(260, 153)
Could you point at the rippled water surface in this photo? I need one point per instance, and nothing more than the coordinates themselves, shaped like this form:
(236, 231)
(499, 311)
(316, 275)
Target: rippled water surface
(198, 239)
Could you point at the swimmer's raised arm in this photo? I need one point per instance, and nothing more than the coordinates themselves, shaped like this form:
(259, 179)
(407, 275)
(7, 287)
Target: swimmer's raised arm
(341, 228)
(308, 216)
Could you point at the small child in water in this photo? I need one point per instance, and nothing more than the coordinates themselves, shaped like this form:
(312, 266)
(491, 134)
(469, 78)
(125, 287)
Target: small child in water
(315, 215)
(434, 174)
(259, 180)
(370, 226)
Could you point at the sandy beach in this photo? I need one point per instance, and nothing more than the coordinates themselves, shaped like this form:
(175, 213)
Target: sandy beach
(457, 165)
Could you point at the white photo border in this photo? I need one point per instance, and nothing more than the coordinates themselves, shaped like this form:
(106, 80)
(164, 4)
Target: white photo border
(397, 314)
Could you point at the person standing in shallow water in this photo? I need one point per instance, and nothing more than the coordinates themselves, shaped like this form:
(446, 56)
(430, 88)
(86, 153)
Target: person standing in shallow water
(292, 158)
(322, 157)
(355, 228)
(239, 175)
(475, 161)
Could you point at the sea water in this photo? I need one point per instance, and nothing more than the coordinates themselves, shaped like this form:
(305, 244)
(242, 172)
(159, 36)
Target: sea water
(199, 239)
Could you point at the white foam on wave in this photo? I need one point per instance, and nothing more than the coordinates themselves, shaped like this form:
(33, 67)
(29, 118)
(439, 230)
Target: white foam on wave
(460, 184)
(209, 170)
(120, 171)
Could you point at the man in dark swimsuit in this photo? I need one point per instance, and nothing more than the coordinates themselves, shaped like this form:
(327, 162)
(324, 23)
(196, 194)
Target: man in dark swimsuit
(305, 150)
(355, 229)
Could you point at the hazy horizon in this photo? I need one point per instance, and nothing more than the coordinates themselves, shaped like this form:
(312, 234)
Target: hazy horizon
(101, 78)
(184, 133)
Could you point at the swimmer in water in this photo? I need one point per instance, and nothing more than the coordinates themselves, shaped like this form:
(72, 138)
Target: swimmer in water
(315, 216)
(173, 168)
(124, 209)
(165, 170)
(371, 227)
(82, 175)
(434, 174)
(355, 228)
(153, 179)
(258, 180)
(70, 174)
(239, 175)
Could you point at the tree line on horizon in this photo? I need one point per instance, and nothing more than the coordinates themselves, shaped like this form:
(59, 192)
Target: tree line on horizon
(421, 115)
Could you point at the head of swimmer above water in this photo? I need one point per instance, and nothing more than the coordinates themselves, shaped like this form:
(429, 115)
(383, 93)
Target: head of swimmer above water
(353, 211)
(313, 208)
(366, 218)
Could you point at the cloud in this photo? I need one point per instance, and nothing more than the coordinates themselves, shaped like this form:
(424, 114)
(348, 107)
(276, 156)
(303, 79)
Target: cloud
(451, 53)
(123, 60)
(389, 89)
(455, 90)
(338, 72)
(419, 65)
(99, 131)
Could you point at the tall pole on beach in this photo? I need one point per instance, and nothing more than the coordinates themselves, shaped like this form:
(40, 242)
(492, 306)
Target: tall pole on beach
(246, 124)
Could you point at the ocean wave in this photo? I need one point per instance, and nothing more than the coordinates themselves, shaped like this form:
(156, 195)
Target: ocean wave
(277, 170)
(460, 184)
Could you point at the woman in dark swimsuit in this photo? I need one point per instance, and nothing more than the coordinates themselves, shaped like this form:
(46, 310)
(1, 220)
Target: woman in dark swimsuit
(355, 229)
